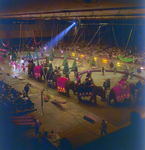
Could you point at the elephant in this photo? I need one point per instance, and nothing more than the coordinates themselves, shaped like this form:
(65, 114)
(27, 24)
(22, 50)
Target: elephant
(96, 90)
(39, 72)
(31, 69)
(140, 95)
(112, 94)
(64, 85)
(139, 85)
(46, 73)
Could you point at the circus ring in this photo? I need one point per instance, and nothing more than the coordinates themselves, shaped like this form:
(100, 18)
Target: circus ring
(121, 72)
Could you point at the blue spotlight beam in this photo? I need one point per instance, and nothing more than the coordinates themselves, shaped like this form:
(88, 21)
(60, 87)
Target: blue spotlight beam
(56, 39)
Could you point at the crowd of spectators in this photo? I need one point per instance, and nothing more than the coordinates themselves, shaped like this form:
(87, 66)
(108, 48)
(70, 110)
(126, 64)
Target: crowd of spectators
(13, 100)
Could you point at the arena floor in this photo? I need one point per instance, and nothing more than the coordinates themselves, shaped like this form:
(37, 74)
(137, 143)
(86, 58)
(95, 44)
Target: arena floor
(68, 120)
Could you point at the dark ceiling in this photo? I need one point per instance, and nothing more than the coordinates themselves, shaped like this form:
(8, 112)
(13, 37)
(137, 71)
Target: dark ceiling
(72, 9)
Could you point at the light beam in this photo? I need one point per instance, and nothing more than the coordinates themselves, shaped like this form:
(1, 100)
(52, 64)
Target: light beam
(56, 39)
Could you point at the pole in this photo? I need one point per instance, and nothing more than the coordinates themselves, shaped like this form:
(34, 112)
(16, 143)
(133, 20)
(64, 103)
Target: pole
(42, 102)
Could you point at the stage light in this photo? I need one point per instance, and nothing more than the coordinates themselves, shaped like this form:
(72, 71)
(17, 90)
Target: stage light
(74, 23)
(81, 56)
(44, 47)
(119, 64)
(104, 61)
(61, 51)
(73, 54)
(95, 58)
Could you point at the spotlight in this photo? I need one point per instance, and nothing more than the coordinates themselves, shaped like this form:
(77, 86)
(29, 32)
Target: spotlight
(44, 47)
(74, 23)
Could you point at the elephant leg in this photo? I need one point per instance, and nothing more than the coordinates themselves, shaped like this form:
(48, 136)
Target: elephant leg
(95, 99)
(91, 98)
(103, 98)
(74, 91)
(80, 99)
(67, 92)
(109, 100)
(54, 85)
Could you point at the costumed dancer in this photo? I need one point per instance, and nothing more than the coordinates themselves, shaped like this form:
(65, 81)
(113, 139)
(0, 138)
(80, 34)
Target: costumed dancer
(14, 65)
(19, 67)
(23, 67)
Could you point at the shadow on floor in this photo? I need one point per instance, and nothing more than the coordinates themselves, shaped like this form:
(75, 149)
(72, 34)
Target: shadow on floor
(131, 137)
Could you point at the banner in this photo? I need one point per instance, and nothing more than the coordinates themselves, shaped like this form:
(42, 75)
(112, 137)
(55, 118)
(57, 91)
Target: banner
(125, 60)
(61, 84)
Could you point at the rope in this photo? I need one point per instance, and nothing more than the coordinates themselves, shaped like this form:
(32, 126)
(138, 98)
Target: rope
(75, 35)
(93, 36)
(114, 37)
(79, 37)
(129, 38)
(102, 37)
(52, 31)
(20, 35)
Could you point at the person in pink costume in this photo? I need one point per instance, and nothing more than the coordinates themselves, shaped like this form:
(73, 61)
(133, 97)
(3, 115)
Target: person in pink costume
(23, 67)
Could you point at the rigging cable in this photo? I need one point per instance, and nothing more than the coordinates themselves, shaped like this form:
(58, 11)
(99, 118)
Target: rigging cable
(129, 38)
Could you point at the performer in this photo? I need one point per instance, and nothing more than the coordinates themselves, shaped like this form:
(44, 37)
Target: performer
(14, 64)
(19, 66)
(89, 83)
(131, 74)
(55, 70)
(106, 84)
(103, 127)
(123, 83)
(139, 70)
(67, 76)
(126, 73)
(111, 65)
(23, 67)
(103, 70)
(75, 73)
(115, 69)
